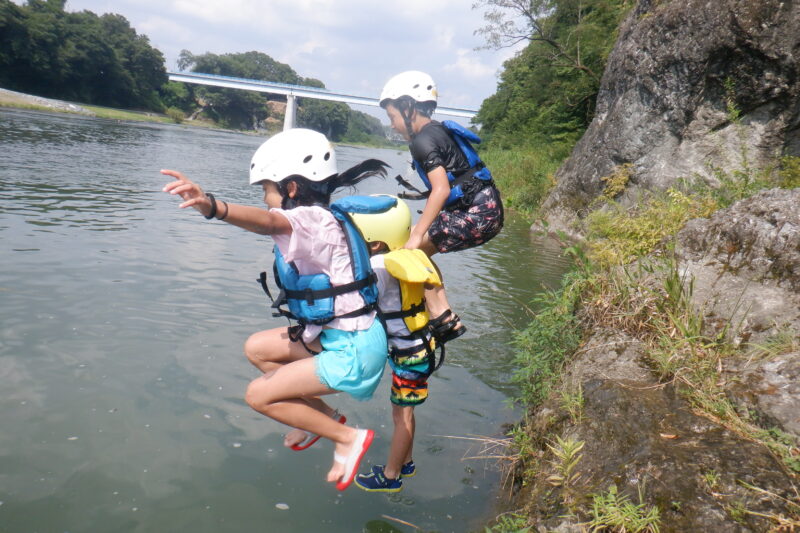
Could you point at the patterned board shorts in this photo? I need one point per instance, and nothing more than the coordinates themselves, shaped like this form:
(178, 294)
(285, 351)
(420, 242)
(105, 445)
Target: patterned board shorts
(410, 379)
(461, 228)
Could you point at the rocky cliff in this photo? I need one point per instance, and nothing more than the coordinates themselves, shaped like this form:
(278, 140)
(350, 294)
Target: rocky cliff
(704, 425)
(685, 393)
(689, 84)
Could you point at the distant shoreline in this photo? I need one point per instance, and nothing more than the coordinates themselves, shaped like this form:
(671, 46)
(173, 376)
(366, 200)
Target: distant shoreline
(17, 100)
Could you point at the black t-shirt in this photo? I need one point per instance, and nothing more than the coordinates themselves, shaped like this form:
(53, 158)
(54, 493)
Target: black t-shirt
(433, 147)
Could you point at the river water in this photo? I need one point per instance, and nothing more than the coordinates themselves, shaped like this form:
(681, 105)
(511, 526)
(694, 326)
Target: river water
(121, 370)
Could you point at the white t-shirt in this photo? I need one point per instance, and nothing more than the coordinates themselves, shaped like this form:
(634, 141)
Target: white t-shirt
(389, 302)
(317, 245)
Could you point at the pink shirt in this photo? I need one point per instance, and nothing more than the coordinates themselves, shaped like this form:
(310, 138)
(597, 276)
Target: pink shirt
(317, 244)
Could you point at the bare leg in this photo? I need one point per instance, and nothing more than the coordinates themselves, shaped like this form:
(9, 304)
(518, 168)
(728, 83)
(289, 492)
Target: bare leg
(282, 397)
(402, 440)
(271, 349)
(296, 436)
(435, 297)
(268, 350)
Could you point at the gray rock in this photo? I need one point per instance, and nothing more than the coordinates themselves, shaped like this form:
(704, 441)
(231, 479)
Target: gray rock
(745, 265)
(663, 100)
(771, 389)
(641, 437)
(609, 355)
(757, 239)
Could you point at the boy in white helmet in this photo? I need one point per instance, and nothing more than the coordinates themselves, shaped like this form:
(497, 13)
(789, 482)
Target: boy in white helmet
(403, 276)
(463, 207)
(344, 348)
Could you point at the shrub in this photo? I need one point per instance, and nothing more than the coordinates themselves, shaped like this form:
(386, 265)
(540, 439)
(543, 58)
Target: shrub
(175, 114)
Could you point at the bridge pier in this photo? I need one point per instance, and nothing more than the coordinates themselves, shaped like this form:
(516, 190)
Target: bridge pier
(291, 111)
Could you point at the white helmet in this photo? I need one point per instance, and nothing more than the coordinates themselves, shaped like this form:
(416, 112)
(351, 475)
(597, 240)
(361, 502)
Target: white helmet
(412, 83)
(292, 152)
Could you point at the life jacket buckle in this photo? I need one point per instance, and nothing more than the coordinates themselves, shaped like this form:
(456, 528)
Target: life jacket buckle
(309, 296)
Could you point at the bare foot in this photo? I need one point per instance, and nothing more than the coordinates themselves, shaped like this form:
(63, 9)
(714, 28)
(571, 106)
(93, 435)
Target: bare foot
(295, 436)
(342, 450)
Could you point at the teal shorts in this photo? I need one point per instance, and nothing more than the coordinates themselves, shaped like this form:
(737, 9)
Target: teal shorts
(352, 361)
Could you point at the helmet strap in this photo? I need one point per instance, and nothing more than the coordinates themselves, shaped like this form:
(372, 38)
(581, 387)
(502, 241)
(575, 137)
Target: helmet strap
(405, 106)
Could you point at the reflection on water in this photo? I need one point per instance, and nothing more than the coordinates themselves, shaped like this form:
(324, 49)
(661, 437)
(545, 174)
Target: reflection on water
(120, 349)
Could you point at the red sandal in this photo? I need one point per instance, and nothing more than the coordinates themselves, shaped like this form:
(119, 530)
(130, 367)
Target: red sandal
(311, 438)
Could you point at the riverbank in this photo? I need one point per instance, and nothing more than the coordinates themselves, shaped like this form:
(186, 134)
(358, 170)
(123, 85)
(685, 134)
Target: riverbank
(661, 380)
(16, 100)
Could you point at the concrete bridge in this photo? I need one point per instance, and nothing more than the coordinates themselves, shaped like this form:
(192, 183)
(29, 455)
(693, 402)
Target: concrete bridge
(292, 92)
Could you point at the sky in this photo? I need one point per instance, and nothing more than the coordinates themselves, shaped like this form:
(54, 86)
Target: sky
(353, 46)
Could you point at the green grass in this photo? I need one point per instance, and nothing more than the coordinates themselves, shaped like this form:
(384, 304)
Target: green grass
(618, 235)
(524, 175)
(613, 511)
(542, 347)
(122, 114)
(510, 523)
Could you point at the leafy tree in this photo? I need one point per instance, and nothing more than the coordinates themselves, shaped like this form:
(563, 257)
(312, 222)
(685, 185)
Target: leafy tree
(329, 118)
(176, 94)
(547, 92)
(233, 107)
(77, 56)
(364, 128)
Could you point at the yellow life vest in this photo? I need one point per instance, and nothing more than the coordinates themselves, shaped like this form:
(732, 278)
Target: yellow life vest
(413, 271)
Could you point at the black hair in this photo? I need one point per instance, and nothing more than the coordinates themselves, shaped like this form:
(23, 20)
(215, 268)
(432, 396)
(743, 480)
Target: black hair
(405, 105)
(319, 192)
(426, 108)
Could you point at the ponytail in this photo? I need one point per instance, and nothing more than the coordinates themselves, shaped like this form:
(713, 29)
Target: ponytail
(319, 193)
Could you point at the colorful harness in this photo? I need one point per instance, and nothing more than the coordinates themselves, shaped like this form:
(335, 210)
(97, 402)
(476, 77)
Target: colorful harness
(463, 138)
(311, 297)
(413, 270)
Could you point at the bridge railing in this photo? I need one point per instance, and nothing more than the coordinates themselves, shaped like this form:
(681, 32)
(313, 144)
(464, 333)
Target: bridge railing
(293, 91)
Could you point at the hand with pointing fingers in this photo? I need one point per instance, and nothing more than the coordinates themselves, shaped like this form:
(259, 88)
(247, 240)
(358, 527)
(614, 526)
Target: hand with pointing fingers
(192, 194)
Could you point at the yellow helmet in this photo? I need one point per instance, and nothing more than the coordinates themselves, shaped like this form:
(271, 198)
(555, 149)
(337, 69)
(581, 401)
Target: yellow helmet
(392, 227)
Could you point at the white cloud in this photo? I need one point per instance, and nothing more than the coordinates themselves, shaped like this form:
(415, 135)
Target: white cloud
(468, 64)
(351, 45)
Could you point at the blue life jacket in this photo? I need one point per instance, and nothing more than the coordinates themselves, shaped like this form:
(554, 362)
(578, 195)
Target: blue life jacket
(463, 137)
(310, 297)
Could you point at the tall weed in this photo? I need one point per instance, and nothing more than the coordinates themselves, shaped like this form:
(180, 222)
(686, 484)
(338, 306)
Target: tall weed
(524, 174)
(618, 235)
(553, 334)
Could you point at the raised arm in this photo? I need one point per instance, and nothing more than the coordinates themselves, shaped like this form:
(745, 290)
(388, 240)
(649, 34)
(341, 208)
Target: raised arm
(250, 218)
(440, 190)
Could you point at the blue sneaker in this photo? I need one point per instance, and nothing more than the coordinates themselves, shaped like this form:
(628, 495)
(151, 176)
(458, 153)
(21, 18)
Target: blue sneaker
(375, 481)
(408, 470)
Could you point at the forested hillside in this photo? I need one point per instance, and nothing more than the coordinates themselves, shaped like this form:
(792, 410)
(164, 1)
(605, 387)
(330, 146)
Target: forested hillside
(77, 56)
(547, 92)
(246, 110)
(101, 60)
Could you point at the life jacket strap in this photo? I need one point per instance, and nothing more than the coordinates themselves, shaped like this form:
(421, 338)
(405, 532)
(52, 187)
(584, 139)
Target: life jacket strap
(282, 298)
(277, 310)
(296, 335)
(310, 295)
(423, 335)
(411, 311)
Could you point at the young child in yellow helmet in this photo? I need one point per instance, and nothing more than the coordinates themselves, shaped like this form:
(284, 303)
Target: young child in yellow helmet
(463, 207)
(403, 276)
